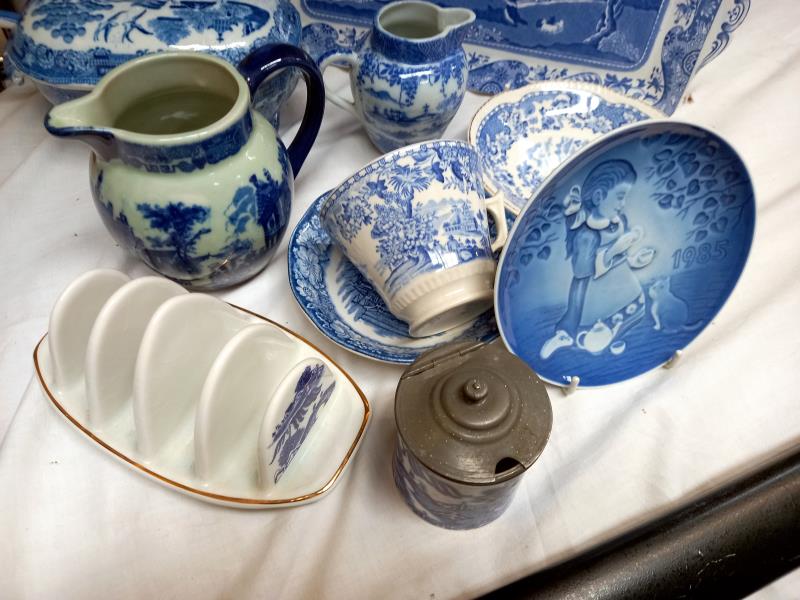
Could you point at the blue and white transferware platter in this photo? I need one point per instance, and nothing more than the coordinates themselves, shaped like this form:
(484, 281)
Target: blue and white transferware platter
(645, 49)
(346, 308)
(625, 254)
(522, 135)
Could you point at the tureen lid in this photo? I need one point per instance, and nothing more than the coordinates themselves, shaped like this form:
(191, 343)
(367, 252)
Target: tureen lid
(473, 412)
(75, 43)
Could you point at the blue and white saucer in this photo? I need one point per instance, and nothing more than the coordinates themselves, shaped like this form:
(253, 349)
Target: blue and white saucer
(523, 135)
(625, 254)
(346, 308)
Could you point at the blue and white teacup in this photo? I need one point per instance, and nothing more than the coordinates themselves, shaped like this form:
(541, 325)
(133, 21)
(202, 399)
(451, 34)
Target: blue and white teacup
(414, 222)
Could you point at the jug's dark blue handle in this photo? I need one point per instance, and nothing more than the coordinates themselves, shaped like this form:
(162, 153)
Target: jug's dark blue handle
(266, 60)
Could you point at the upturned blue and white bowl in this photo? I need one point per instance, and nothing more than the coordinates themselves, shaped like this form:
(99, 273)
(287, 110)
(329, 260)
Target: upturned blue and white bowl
(414, 222)
(523, 135)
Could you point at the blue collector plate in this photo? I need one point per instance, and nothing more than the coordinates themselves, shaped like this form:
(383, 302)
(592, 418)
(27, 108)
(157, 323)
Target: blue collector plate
(523, 135)
(346, 308)
(625, 253)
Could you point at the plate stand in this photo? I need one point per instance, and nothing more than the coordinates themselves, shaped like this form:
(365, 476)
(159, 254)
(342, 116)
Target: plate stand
(575, 381)
(674, 359)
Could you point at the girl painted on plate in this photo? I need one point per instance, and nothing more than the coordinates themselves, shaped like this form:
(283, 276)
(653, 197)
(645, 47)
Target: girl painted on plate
(605, 298)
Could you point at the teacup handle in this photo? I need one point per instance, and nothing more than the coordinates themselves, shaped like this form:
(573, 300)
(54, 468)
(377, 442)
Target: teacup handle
(496, 207)
(351, 58)
(266, 60)
(579, 339)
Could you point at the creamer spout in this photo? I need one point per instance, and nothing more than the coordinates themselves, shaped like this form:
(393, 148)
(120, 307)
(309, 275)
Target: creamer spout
(85, 119)
(456, 20)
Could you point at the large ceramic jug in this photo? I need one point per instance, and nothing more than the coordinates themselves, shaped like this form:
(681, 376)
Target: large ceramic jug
(410, 76)
(184, 173)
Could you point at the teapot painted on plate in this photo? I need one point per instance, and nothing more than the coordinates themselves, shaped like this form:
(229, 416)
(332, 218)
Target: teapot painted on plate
(597, 338)
(185, 174)
(409, 77)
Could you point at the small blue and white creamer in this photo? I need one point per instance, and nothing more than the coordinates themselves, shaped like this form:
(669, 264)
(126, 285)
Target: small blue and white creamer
(409, 75)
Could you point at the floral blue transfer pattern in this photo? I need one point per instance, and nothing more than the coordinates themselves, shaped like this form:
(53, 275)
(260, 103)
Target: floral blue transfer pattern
(662, 86)
(68, 19)
(616, 33)
(364, 305)
(406, 89)
(389, 91)
(734, 18)
(414, 236)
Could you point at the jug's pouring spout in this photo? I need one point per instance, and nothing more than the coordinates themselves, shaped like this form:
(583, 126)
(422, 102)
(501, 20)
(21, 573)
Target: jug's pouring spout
(84, 119)
(456, 21)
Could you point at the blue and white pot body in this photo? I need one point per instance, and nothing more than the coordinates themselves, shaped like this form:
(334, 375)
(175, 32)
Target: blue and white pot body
(205, 207)
(407, 88)
(447, 503)
(66, 46)
(205, 215)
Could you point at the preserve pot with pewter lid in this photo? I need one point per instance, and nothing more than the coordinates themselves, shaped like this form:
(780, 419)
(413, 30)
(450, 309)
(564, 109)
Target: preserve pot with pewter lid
(471, 419)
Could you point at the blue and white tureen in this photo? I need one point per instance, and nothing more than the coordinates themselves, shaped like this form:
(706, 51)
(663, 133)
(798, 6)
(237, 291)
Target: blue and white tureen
(66, 46)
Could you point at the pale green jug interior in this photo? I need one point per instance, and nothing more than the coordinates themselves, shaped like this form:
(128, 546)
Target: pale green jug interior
(420, 20)
(163, 95)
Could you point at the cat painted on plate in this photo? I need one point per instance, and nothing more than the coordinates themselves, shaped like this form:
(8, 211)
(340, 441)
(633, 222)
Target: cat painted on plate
(670, 313)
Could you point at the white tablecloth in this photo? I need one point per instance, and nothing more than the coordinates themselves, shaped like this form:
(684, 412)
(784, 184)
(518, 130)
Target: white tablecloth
(74, 523)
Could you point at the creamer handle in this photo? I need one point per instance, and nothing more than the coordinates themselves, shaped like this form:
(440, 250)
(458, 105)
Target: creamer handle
(266, 60)
(351, 58)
